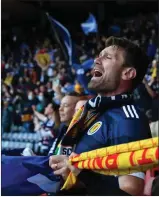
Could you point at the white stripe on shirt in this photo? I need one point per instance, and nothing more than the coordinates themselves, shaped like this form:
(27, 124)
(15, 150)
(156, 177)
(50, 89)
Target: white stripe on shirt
(135, 112)
(125, 111)
(129, 109)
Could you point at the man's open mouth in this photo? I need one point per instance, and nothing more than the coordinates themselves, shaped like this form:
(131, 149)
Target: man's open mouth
(96, 73)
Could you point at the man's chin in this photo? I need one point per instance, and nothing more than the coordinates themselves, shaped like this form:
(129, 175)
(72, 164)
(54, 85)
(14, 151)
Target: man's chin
(96, 88)
(93, 86)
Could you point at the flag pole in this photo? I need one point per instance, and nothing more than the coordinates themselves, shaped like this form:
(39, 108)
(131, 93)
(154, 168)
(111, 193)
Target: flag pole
(57, 37)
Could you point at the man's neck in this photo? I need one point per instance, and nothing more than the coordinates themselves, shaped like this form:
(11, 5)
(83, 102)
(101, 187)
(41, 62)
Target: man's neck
(114, 93)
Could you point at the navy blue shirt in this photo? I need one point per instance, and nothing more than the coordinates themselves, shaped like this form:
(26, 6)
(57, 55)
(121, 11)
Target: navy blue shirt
(115, 126)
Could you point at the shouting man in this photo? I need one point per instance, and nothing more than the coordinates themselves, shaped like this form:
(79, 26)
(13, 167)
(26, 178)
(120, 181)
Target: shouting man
(112, 118)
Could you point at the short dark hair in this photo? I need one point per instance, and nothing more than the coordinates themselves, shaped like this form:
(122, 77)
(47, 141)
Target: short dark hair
(134, 57)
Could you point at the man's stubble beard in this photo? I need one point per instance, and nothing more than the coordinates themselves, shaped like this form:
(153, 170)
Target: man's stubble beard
(101, 88)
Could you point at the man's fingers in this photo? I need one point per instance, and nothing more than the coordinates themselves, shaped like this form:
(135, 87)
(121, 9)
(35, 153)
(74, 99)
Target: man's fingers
(63, 172)
(57, 166)
(56, 159)
(53, 160)
(60, 171)
(73, 155)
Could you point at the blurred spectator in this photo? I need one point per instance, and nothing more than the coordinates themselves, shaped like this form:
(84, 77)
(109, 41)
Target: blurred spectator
(41, 102)
(31, 100)
(47, 125)
(66, 110)
(50, 92)
(27, 120)
(32, 75)
(7, 115)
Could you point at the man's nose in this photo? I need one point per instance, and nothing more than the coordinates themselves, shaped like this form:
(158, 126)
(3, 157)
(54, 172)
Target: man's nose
(97, 60)
(60, 109)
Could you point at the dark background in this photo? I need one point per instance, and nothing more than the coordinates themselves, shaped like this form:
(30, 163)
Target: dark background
(18, 12)
(26, 14)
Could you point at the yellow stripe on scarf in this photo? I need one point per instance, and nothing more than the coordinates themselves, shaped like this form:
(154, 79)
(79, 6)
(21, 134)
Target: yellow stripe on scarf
(117, 160)
(75, 118)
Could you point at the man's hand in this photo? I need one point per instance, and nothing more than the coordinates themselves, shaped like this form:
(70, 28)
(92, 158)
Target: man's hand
(73, 169)
(61, 166)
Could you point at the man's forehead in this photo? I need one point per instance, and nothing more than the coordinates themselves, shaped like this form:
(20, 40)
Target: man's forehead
(112, 50)
(69, 99)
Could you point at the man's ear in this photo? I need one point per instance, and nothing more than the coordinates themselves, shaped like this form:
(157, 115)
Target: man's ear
(128, 73)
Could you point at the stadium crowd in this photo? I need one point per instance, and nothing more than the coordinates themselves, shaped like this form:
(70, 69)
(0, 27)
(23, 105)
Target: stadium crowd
(42, 97)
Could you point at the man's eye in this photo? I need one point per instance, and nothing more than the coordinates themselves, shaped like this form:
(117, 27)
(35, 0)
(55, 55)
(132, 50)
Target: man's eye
(106, 57)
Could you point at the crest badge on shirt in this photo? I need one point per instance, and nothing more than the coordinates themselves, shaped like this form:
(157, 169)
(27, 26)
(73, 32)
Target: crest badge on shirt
(94, 128)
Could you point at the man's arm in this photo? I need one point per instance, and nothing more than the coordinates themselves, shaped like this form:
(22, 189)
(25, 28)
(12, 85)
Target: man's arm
(39, 115)
(131, 185)
(123, 185)
(98, 184)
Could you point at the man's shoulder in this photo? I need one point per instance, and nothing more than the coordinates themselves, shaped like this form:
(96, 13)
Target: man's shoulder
(126, 112)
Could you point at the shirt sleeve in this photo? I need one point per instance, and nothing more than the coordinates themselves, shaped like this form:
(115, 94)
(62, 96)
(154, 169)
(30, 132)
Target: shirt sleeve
(140, 175)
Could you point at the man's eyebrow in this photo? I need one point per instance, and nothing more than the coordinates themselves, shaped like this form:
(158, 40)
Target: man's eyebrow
(105, 53)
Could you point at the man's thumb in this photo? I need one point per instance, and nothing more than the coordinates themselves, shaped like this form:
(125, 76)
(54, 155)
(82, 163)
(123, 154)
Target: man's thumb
(73, 155)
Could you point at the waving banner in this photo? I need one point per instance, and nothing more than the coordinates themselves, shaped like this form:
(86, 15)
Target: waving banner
(27, 176)
(90, 25)
(33, 176)
(65, 36)
(43, 59)
(117, 160)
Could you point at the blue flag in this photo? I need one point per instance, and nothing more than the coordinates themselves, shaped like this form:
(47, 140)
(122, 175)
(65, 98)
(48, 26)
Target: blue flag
(81, 77)
(65, 35)
(88, 64)
(90, 25)
(28, 176)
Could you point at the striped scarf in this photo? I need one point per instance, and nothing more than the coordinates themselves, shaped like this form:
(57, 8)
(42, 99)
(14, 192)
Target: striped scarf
(85, 116)
(117, 160)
